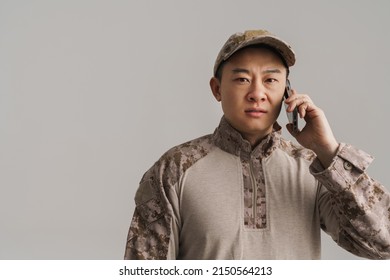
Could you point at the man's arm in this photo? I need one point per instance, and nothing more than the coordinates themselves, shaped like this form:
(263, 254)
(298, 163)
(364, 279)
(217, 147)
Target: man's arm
(153, 231)
(354, 208)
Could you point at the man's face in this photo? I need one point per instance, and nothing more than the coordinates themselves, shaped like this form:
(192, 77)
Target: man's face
(251, 91)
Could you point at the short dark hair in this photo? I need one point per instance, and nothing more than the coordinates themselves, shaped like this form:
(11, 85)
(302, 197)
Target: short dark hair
(218, 73)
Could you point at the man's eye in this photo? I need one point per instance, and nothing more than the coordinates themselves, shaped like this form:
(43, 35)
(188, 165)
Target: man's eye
(271, 80)
(243, 80)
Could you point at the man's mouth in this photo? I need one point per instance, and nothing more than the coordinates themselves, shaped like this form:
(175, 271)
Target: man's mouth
(258, 110)
(255, 112)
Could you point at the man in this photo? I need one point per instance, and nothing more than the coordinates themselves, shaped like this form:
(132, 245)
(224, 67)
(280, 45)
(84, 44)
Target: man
(244, 192)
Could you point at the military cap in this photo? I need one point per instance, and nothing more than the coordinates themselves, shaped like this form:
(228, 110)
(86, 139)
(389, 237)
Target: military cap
(254, 37)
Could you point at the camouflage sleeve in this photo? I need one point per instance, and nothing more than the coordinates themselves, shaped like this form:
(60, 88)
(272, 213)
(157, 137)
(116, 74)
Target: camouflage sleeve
(155, 227)
(354, 208)
(149, 236)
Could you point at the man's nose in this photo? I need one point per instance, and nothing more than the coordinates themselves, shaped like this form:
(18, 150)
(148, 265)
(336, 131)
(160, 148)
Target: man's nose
(256, 92)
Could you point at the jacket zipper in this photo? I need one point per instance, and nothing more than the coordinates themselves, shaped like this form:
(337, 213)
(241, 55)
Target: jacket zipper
(254, 200)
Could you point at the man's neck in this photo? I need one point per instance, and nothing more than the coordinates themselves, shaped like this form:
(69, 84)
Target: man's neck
(255, 139)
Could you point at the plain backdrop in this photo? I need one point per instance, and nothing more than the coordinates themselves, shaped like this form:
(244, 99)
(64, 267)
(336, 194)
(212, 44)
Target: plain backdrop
(92, 93)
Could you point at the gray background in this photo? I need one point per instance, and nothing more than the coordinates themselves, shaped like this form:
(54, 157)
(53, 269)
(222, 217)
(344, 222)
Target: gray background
(93, 92)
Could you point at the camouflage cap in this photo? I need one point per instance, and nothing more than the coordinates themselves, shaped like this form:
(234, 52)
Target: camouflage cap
(253, 37)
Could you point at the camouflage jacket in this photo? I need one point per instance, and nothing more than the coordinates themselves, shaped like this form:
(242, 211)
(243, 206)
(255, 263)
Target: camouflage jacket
(217, 198)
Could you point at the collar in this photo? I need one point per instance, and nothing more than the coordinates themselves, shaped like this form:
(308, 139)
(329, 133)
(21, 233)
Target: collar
(230, 140)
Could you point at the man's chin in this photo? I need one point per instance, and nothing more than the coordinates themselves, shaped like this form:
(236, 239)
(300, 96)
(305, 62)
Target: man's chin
(256, 131)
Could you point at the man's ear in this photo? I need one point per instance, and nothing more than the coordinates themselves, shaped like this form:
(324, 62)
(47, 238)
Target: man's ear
(215, 86)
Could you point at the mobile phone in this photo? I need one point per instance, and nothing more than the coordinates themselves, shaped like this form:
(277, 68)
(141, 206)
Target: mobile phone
(292, 116)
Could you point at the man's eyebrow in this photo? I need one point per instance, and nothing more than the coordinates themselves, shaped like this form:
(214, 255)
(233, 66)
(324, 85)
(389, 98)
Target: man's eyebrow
(275, 70)
(267, 71)
(240, 70)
